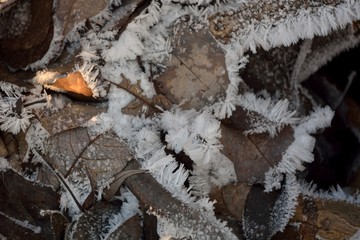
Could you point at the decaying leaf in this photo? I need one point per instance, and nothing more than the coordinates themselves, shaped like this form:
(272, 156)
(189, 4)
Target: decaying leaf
(230, 199)
(27, 32)
(3, 151)
(142, 104)
(103, 155)
(131, 230)
(165, 207)
(73, 12)
(74, 83)
(21, 210)
(257, 213)
(254, 154)
(119, 179)
(102, 221)
(326, 219)
(196, 74)
(71, 116)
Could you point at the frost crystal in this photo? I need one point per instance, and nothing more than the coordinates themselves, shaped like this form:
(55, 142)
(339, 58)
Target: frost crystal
(285, 205)
(276, 115)
(300, 151)
(13, 116)
(11, 90)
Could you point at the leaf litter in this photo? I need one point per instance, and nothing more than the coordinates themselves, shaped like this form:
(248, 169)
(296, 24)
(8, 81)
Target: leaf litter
(87, 148)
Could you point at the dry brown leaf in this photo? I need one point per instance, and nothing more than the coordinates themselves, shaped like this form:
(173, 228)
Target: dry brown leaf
(102, 155)
(131, 229)
(27, 43)
(73, 12)
(74, 83)
(19, 203)
(73, 115)
(257, 213)
(254, 154)
(196, 74)
(119, 179)
(95, 222)
(234, 197)
(325, 219)
(162, 204)
(3, 150)
(142, 104)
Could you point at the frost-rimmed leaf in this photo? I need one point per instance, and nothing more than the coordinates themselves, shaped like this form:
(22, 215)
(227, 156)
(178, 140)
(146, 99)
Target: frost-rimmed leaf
(104, 218)
(196, 63)
(140, 103)
(103, 155)
(254, 154)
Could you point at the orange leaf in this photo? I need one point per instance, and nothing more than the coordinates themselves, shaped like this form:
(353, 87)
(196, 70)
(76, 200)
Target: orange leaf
(74, 82)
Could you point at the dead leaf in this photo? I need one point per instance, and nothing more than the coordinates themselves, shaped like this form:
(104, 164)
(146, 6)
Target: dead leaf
(161, 203)
(28, 41)
(95, 223)
(119, 179)
(73, 115)
(102, 155)
(142, 104)
(73, 12)
(254, 154)
(230, 199)
(131, 230)
(196, 74)
(20, 208)
(74, 83)
(257, 213)
(328, 219)
(3, 151)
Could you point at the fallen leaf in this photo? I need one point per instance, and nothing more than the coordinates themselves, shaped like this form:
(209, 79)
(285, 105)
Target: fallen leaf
(74, 83)
(119, 179)
(196, 74)
(73, 115)
(73, 12)
(254, 154)
(161, 203)
(102, 155)
(328, 219)
(257, 213)
(142, 104)
(20, 209)
(28, 41)
(3, 151)
(131, 230)
(96, 222)
(234, 197)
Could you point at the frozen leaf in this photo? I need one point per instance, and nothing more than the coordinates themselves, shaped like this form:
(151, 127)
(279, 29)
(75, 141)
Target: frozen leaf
(104, 219)
(196, 73)
(20, 209)
(73, 12)
(3, 151)
(270, 23)
(326, 219)
(254, 154)
(73, 115)
(131, 229)
(173, 214)
(256, 219)
(119, 179)
(142, 104)
(102, 155)
(27, 34)
(234, 197)
(74, 83)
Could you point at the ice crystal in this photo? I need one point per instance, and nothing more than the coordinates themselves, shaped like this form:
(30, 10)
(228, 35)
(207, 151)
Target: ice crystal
(11, 90)
(13, 116)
